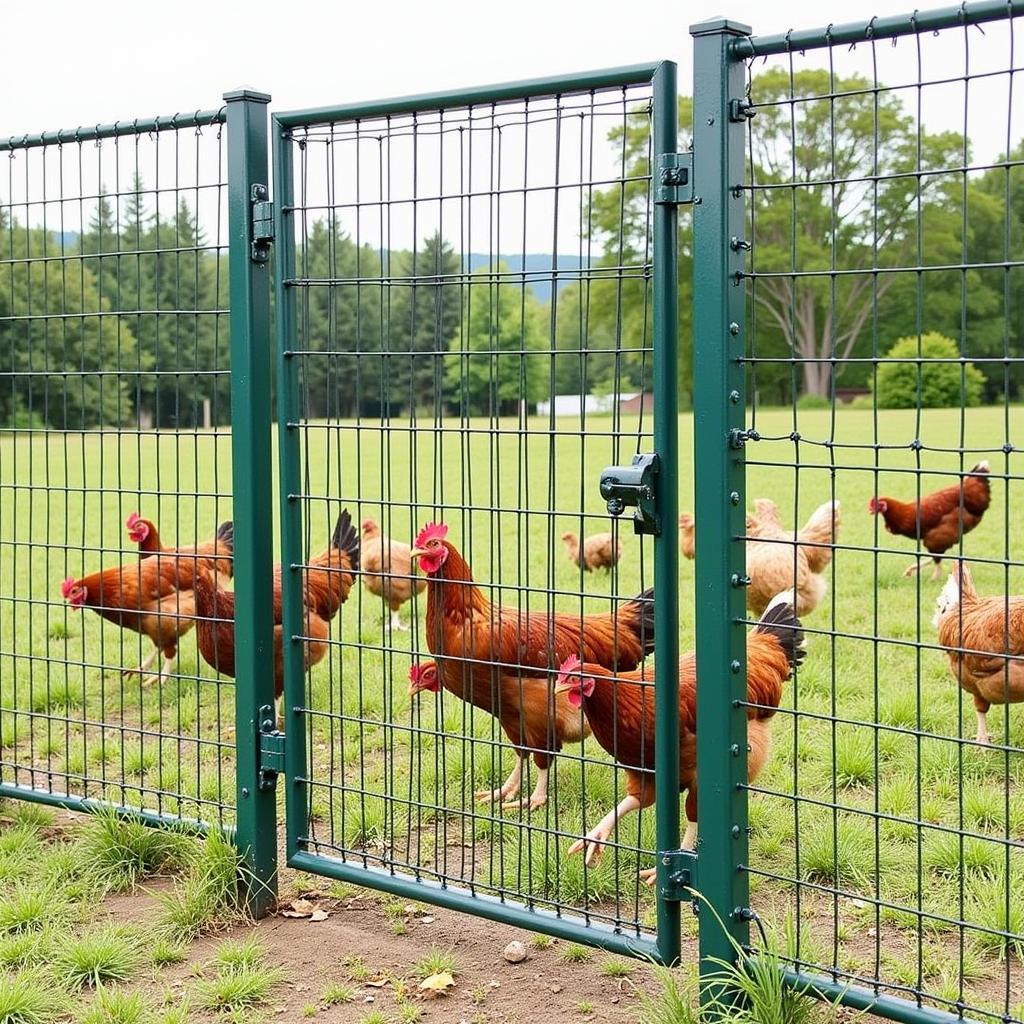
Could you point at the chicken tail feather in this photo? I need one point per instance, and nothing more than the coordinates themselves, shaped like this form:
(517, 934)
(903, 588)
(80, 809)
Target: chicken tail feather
(780, 621)
(641, 609)
(226, 535)
(346, 538)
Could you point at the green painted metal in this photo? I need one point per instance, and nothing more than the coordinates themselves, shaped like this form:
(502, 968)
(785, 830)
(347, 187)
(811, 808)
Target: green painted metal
(256, 831)
(198, 119)
(859, 998)
(633, 74)
(290, 464)
(890, 27)
(666, 543)
(718, 339)
(480, 905)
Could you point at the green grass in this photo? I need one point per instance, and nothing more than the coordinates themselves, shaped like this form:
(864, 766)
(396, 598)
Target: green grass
(117, 1006)
(574, 953)
(120, 853)
(26, 998)
(241, 977)
(857, 680)
(98, 957)
(436, 962)
(336, 993)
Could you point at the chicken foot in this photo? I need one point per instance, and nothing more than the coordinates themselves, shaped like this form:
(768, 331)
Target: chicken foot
(508, 789)
(594, 840)
(397, 623)
(166, 669)
(689, 842)
(983, 736)
(915, 568)
(144, 667)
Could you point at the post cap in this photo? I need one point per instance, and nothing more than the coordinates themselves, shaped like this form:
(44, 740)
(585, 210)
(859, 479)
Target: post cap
(247, 93)
(720, 26)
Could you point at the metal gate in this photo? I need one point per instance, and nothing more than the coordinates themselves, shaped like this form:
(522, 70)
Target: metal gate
(419, 383)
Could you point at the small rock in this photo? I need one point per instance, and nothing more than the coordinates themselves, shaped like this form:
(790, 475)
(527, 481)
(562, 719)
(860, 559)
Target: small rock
(556, 988)
(615, 999)
(514, 952)
(426, 920)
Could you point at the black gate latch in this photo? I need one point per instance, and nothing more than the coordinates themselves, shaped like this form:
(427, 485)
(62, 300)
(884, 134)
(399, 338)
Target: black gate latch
(271, 748)
(633, 485)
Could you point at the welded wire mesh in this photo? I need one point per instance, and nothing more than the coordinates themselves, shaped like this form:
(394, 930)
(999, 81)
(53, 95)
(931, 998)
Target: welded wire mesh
(472, 343)
(885, 363)
(114, 383)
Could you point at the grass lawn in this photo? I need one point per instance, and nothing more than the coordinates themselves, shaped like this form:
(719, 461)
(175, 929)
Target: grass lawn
(928, 830)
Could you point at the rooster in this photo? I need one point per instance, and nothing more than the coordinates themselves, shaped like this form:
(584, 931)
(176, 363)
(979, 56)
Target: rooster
(620, 710)
(534, 722)
(778, 560)
(154, 597)
(477, 641)
(939, 519)
(599, 551)
(388, 571)
(465, 628)
(984, 639)
(328, 581)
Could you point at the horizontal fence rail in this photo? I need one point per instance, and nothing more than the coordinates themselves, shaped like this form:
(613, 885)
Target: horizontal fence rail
(882, 273)
(115, 466)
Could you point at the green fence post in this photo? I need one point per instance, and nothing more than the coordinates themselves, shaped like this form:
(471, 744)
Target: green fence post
(256, 828)
(666, 546)
(718, 344)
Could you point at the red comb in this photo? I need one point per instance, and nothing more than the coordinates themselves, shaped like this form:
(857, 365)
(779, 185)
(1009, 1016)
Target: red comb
(132, 520)
(414, 673)
(571, 664)
(432, 531)
(67, 586)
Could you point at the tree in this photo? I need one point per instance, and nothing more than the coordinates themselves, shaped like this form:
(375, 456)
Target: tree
(848, 200)
(502, 323)
(61, 350)
(604, 324)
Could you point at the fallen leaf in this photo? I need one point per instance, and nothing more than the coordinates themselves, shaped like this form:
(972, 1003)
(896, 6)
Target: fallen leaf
(377, 983)
(318, 915)
(437, 984)
(299, 908)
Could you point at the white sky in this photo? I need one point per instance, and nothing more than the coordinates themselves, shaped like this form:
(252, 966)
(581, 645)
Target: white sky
(66, 64)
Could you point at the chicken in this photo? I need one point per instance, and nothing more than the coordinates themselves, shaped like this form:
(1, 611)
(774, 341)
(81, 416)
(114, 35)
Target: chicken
(474, 639)
(155, 596)
(984, 639)
(328, 580)
(600, 551)
(620, 710)
(534, 722)
(388, 570)
(773, 554)
(215, 609)
(466, 629)
(939, 519)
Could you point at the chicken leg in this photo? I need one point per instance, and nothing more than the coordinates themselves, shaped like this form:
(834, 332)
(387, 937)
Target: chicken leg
(144, 667)
(913, 568)
(983, 736)
(593, 841)
(510, 788)
(397, 623)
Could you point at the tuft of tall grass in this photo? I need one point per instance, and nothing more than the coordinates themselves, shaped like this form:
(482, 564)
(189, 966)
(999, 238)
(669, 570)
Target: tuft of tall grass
(97, 957)
(120, 852)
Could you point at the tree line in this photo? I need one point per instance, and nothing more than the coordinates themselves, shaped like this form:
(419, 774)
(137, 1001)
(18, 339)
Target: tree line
(837, 282)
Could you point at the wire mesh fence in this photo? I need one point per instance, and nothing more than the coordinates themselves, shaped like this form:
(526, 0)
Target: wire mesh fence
(467, 342)
(115, 464)
(884, 367)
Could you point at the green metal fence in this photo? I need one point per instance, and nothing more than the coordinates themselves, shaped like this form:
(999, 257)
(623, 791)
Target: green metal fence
(420, 382)
(114, 404)
(476, 341)
(857, 185)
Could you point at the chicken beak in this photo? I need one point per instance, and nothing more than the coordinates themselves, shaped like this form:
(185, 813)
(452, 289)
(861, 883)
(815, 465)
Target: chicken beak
(417, 552)
(563, 688)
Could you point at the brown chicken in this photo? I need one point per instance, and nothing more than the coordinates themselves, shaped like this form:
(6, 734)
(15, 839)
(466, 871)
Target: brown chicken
(474, 639)
(984, 639)
(388, 571)
(466, 629)
(939, 519)
(600, 551)
(772, 555)
(529, 731)
(328, 581)
(620, 710)
(155, 596)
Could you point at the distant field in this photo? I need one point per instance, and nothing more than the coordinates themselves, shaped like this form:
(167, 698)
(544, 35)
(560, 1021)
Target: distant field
(386, 785)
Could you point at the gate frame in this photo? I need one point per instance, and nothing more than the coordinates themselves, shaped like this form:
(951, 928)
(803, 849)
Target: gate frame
(666, 946)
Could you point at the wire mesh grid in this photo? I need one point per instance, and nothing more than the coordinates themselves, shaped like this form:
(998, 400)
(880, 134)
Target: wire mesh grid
(884, 362)
(114, 464)
(472, 344)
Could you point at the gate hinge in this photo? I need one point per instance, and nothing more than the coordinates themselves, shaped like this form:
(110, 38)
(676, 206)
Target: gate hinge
(681, 874)
(271, 748)
(674, 182)
(633, 485)
(262, 224)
